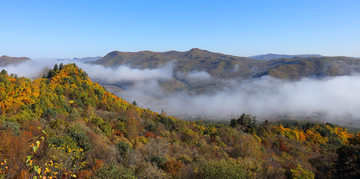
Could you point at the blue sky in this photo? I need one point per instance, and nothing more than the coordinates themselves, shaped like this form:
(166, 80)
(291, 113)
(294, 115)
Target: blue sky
(80, 28)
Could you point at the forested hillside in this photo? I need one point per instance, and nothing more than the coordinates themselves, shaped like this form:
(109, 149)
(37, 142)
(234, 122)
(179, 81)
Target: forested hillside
(65, 126)
(220, 68)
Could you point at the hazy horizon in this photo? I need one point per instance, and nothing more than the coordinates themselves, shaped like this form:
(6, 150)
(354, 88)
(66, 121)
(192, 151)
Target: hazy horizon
(269, 53)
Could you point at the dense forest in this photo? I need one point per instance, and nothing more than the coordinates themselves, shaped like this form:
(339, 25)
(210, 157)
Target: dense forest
(65, 126)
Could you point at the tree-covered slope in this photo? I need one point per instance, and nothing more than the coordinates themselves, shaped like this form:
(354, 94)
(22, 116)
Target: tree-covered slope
(297, 68)
(193, 60)
(222, 68)
(65, 126)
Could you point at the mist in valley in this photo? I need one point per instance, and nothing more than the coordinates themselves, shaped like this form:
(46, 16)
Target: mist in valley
(332, 98)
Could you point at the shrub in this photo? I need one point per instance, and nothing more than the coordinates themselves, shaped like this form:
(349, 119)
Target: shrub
(120, 126)
(233, 123)
(168, 123)
(49, 113)
(59, 123)
(222, 169)
(122, 119)
(152, 127)
(61, 141)
(123, 147)
(157, 160)
(172, 167)
(149, 135)
(103, 125)
(299, 172)
(13, 126)
(79, 136)
(113, 171)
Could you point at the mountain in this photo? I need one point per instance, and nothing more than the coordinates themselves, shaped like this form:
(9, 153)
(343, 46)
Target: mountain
(271, 56)
(318, 67)
(6, 60)
(66, 126)
(221, 67)
(194, 59)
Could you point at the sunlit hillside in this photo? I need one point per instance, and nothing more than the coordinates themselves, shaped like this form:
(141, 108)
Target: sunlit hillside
(65, 126)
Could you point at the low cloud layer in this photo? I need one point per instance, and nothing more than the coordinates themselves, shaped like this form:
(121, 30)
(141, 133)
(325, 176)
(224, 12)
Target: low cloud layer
(31, 69)
(331, 98)
(125, 73)
(199, 75)
(335, 98)
(35, 68)
(194, 75)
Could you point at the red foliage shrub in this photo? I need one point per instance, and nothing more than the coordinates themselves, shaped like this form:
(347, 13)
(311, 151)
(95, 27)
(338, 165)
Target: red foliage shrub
(118, 133)
(149, 135)
(32, 126)
(283, 147)
(98, 164)
(85, 174)
(172, 167)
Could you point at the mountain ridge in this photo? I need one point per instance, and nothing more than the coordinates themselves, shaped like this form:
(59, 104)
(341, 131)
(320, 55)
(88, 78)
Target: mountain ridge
(6, 60)
(117, 58)
(272, 56)
(221, 66)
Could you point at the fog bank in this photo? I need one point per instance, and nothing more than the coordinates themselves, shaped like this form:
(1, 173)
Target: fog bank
(35, 68)
(266, 97)
(334, 98)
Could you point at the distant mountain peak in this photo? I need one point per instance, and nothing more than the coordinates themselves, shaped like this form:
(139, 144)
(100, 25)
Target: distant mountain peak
(114, 53)
(272, 56)
(197, 50)
(6, 60)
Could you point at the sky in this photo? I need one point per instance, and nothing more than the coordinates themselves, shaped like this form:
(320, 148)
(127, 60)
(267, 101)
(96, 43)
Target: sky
(83, 28)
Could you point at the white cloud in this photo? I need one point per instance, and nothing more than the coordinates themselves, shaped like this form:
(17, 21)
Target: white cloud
(332, 98)
(125, 73)
(194, 75)
(36, 68)
(335, 97)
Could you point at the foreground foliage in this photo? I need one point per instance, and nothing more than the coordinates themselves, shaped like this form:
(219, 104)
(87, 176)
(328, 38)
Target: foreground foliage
(65, 126)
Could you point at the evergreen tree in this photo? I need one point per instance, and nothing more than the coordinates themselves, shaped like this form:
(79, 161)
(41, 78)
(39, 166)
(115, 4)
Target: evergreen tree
(61, 66)
(51, 74)
(3, 72)
(56, 68)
